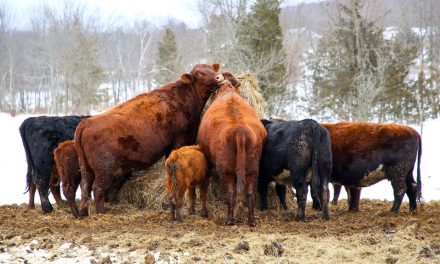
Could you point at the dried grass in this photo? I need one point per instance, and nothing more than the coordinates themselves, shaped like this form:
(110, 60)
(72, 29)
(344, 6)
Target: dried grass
(372, 235)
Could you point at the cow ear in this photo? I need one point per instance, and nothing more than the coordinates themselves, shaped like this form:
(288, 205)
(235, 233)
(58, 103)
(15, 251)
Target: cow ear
(187, 78)
(216, 67)
(237, 85)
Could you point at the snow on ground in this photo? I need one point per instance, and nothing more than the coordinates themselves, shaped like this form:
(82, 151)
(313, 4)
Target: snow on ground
(13, 165)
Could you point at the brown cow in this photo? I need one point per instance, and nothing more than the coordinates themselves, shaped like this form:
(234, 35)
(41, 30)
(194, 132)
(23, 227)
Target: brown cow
(366, 153)
(186, 168)
(232, 137)
(66, 161)
(136, 134)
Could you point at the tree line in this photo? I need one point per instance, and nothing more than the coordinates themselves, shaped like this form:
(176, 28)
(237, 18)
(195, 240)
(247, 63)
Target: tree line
(352, 60)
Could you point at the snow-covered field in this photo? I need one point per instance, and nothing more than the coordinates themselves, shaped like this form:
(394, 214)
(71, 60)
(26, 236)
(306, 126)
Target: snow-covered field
(13, 164)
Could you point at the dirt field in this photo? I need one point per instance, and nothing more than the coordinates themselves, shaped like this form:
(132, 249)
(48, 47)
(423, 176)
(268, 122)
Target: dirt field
(128, 235)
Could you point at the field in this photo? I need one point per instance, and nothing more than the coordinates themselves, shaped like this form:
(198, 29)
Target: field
(128, 235)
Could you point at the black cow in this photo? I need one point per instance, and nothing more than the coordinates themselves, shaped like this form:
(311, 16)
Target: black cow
(40, 136)
(303, 148)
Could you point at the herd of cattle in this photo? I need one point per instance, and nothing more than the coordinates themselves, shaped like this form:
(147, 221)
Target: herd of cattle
(96, 152)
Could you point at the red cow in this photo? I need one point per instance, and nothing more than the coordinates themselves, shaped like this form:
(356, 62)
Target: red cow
(186, 168)
(136, 134)
(232, 137)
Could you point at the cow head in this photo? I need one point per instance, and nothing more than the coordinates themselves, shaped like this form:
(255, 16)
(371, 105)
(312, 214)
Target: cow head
(229, 77)
(204, 77)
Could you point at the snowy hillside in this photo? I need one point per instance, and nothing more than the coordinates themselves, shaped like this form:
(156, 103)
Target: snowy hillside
(13, 165)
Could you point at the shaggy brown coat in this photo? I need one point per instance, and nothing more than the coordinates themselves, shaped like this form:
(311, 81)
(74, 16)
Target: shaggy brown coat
(232, 137)
(136, 134)
(186, 168)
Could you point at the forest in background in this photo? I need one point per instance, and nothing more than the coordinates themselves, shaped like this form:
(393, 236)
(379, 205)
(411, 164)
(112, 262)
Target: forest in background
(354, 60)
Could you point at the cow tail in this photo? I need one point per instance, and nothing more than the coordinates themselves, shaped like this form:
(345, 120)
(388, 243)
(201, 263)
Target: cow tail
(240, 166)
(83, 164)
(315, 162)
(30, 162)
(419, 179)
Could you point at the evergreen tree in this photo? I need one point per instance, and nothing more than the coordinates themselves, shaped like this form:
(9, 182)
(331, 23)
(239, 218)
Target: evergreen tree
(168, 61)
(358, 75)
(260, 48)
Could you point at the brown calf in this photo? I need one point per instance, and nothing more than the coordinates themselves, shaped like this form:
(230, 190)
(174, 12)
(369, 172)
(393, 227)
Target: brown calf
(66, 161)
(232, 137)
(186, 168)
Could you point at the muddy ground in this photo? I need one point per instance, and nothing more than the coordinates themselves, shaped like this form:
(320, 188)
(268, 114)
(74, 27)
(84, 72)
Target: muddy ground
(129, 235)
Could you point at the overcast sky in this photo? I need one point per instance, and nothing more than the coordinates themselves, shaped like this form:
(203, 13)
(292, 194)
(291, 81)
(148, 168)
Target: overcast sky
(159, 11)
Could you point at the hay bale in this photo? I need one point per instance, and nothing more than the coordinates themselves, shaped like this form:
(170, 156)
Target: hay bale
(250, 90)
(147, 190)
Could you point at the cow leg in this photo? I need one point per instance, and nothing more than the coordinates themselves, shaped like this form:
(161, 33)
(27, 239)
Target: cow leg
(281, 193)
(262, 189)
(43, 189)
(32, 190)
(192, 200)
(336, 193)
(171, 203)
(55, 189)
(203, 193)
(353, 198)
(316, 204)
(300, 184)
(44, 198)
(179, 203)
(399, 188)
(230, 199)
(101, 185)
(172, 208)
(411, 191)
(69, 193)
(86, 189)
(324, 200)
(250, 197)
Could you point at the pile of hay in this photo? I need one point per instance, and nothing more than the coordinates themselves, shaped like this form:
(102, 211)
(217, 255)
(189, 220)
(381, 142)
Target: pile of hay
(250, 90)
(147, 189)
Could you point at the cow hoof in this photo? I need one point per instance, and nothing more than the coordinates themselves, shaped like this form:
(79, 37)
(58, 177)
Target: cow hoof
(284, 207)
(84, 212)
(191, 211)
(252, 223)
(230, 223)
(178, 216)
(47, 208)
(301, 218)
(31, 207)
(317, 208)
(335, 202)
(204, 214)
